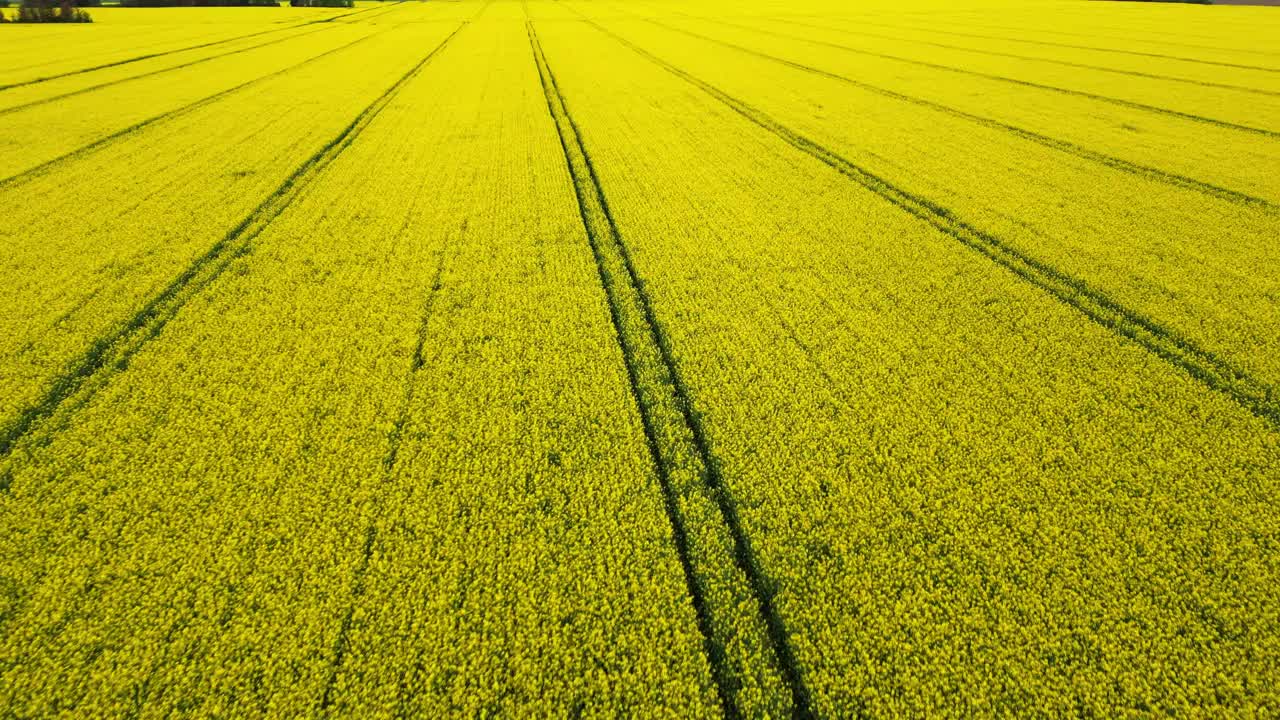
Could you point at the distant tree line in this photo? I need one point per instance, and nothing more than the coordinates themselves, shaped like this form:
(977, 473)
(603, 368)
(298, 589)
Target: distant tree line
(233, 3)
(69, 10)
(199, 3)
(45, 11)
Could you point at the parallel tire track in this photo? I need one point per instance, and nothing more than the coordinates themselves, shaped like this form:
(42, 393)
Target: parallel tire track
(1060, 145)
(386, 8)
(129, 35)
(1128, 35)
(1218, 374)
(1053, 61)
(140, 58)
(81, 91)
(395, 438)
(112, 352)
(342, 642)
(105, 141)
(678, 443)
(1049, 43)
(1092, 36)
(1014, 81)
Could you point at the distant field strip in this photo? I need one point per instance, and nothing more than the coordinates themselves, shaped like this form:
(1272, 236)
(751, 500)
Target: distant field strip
(1095, 96)
(80, 119)
(342, 643)
(284, 27)
(1033, 58)
(1117, 51)
(344, 17)
(1172, 145)
(968, 22)
(1026, 83)
(111, 353)
(53, 98)
(1050, 142)
(140, 58)
(42, 168)
(1034, 37)
(18, 57)
(1259, 398)
(712, 359)
(676, 440)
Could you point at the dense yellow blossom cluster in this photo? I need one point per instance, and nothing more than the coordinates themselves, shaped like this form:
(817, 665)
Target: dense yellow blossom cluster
(638, 358)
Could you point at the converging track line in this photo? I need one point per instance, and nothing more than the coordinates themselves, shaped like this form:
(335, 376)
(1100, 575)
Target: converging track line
(1058, 144)
(1014, 81)
(1256, 396)
(107, 140)
(1052, 61)
(1094, 48)
(111, 352)
(668, 418)
(149, 56)
(161, 71)
(395, 438)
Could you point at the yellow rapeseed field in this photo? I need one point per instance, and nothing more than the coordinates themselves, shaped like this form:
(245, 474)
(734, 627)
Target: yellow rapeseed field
(641, 358)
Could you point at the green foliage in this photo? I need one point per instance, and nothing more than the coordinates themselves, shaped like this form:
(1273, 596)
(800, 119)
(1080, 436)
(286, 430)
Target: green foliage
(199, 3)
(43, 11)
(720, 364)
